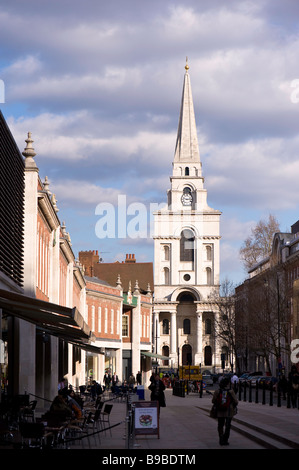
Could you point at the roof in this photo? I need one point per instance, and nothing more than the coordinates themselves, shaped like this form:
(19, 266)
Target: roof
(128, 272)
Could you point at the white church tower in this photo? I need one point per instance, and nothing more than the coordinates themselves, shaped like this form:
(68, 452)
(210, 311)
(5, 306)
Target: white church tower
(186, 250)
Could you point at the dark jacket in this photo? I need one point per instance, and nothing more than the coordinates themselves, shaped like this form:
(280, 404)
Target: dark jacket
(157, 388)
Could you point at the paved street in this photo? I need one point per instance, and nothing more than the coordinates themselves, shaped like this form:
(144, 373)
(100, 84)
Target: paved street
(185, 424)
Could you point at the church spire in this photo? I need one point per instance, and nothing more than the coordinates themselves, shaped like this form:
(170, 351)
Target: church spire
(187, 144)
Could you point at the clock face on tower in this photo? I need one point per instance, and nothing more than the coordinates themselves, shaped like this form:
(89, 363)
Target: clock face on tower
(186, 197)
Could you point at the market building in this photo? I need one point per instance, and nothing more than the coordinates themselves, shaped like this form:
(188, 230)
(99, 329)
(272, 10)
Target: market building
(44, 335)
(119, 313)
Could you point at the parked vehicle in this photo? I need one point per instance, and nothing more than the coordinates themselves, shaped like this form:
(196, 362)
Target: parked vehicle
(253, 380)
(207, 380)
(263, 380)
(243, 378)
(271, 381)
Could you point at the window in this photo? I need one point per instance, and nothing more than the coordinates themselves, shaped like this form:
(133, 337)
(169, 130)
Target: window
(187, 171)
(187, 326)
(99, 318)
(93, 318)
(187, 245)
(112, 321)
(166, 276)
(209, 276)
(209, 253)
(125, 325)
(106, 320)
(117, 322)
(208, 326)
(166, 253)
(165, 326)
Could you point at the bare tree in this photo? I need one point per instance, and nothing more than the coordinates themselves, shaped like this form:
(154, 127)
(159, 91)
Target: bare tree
(225, 321)
(268, 318)
(259, 244)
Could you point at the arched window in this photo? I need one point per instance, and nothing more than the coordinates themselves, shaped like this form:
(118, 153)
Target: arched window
(165, 326)
(187, 326)
(187, 245)
(166, 253)
(165, 352)
(209, 276)
(186, 355)
(166, 276)
(187, 171)
(209, 253)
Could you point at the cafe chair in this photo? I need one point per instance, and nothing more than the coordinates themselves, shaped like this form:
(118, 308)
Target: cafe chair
(28, 413)
(32, 434)
(105, 416)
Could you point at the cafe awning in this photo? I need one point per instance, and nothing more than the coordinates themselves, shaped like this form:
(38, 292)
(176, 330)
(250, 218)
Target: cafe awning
(66, 323)
(157, 356)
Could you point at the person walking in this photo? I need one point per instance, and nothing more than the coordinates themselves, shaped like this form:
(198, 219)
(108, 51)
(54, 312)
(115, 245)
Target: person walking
(157, 388)
(107, 380)
(235, 381)
(225, 402)
(132, 382)
(138, 378)
(293, 385)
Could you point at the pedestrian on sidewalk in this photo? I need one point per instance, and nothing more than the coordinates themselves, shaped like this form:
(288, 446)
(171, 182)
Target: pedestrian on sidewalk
(226, 403)
(293, 385)
(235, 381)
(157, 388)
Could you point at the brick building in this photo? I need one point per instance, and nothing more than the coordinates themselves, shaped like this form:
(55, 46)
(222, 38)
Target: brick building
(44, 336)
(119, 306)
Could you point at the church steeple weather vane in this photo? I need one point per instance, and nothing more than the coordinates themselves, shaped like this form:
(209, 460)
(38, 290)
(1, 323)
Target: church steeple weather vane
(187, 66)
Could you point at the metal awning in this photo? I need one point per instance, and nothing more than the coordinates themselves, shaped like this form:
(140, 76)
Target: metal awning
(66, 323)
(157, 356)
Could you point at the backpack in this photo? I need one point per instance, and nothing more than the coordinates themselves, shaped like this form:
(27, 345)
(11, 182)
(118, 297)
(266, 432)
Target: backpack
(223, 400)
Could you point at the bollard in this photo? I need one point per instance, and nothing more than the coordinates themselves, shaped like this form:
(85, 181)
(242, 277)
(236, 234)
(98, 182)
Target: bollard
(245, 388)
(250, 393)
(288, 400)
(201, 387)
(264, 394)
(271, 394)
(240, 391)
(279, 398)
(256, 392)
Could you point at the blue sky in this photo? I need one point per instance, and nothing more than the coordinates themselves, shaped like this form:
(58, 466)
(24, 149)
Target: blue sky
(99, 86)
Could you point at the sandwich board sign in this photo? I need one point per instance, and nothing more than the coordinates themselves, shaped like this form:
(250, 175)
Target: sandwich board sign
(147, 418)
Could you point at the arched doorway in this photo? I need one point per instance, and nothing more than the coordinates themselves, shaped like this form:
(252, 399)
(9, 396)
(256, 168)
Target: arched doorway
(208, 356)
(186, 355)
(165, 352)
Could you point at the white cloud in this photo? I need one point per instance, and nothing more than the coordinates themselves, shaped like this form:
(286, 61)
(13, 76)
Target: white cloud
(99, 86)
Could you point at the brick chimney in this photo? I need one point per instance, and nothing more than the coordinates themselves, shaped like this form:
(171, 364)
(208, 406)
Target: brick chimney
(88, 259)
(130, 259)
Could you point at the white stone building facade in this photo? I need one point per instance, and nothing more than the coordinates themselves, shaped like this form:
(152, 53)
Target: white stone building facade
(187, 255)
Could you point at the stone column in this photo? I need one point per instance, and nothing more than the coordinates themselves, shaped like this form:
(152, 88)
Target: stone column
(156, 331)
(199, 352)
